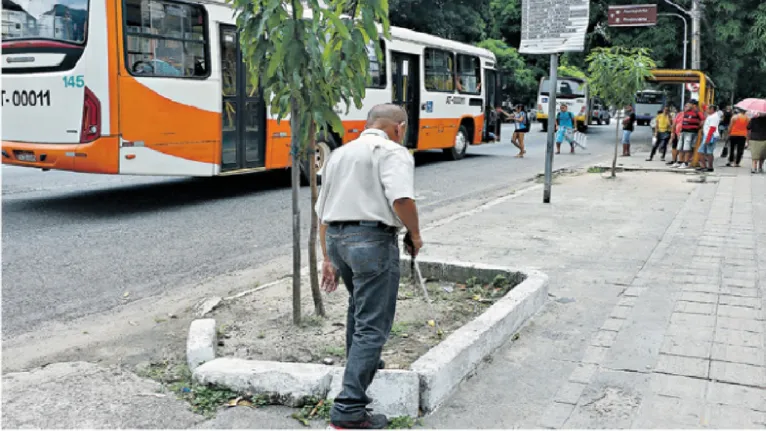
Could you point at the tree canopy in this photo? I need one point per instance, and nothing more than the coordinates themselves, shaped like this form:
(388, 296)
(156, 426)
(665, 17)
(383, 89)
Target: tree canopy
(733, 37)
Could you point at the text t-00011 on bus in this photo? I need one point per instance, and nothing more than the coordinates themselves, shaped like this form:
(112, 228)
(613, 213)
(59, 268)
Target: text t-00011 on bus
(26, 98)
(158, 87)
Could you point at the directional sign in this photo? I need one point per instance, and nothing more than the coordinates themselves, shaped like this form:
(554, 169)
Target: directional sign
(553, 26)
(635, 15)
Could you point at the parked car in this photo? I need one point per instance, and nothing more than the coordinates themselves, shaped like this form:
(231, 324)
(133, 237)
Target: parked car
(599, 114)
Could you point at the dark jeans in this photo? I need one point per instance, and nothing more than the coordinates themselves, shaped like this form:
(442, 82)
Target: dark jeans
(662, 144)
(737, 145)
(368, 260)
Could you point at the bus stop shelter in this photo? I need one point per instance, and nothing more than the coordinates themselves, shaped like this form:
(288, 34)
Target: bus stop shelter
(706, 90)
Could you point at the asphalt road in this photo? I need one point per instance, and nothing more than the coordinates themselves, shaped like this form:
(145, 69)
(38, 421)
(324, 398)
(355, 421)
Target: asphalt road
(73, 244)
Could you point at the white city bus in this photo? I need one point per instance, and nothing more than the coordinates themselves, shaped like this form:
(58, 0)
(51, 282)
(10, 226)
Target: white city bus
(572, 92)
(157, 87)
(648, 103)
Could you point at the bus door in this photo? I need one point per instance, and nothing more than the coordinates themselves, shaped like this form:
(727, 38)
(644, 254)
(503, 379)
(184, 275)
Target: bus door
(404, 74)
(243, 110)
(491, 103)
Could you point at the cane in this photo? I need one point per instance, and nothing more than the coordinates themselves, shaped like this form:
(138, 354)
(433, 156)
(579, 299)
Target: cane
(415, 272)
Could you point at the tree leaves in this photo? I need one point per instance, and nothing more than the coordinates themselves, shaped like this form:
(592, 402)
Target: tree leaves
(616, 74)
(310, 54)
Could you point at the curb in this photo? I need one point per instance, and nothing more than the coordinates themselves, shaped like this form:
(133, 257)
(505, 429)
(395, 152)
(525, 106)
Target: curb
(201, 343)
(421, 389)
(450, 362)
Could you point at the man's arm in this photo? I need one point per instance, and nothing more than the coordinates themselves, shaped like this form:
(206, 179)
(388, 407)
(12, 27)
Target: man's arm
(397, 174)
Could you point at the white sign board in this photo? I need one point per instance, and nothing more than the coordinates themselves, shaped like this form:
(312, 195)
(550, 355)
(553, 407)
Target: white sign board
(553, 26)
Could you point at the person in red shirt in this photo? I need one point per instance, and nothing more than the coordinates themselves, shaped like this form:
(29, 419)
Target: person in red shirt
(675, 135)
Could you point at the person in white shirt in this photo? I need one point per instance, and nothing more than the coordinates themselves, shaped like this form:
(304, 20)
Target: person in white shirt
(710, 135)
(367, 195)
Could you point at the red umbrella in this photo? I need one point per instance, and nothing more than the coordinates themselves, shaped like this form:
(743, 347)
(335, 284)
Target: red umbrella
(753, 105)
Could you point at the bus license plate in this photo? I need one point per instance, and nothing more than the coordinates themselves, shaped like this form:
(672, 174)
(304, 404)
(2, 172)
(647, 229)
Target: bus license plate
(26, 156)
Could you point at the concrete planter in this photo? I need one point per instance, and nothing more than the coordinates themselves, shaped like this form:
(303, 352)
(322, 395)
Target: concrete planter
(429, 381)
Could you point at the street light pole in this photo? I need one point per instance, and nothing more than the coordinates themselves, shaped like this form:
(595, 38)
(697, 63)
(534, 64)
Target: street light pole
(696, 49)
(686, 43)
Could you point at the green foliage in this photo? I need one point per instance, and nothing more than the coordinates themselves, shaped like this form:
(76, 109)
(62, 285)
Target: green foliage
(461, 20)
(307, 57)
(570, 71)
(402, 422)
(313, 409)
(616, 74)
(519, 81)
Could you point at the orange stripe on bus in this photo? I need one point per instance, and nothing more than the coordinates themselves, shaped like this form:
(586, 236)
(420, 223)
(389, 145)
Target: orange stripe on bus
(167, 126)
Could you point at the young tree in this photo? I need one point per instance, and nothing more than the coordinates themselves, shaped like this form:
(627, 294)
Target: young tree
(306, 57)
(615, 75)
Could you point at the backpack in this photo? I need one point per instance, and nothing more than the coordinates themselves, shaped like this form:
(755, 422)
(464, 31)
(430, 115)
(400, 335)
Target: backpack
(526, 120)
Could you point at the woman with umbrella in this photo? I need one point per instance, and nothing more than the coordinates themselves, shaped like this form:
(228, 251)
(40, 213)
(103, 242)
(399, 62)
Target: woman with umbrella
(756, 135)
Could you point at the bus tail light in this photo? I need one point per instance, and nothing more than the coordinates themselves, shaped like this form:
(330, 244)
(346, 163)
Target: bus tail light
(91, 118)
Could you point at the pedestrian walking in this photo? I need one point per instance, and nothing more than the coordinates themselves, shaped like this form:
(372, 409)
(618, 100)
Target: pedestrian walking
(757, 141)
(520, 118)
(367, 195)
(737, 137)
(691, 123)
(675, 137)
(628, 125)
(565, 123)
(726, 116)
(710, 135)
(661, 133)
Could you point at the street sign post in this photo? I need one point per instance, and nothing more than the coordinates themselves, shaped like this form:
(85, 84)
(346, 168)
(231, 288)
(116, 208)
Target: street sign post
(552, 27)
(635, 15)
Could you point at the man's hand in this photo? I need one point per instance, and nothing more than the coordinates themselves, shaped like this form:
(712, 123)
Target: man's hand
(413, 244)
(329, 276)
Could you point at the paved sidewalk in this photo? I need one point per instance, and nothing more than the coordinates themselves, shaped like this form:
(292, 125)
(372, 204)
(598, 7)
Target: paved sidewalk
(657, 318)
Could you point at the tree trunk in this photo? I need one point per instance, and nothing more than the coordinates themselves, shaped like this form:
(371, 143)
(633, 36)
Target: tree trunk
(616, 146)
(316, 294)
(296, 183)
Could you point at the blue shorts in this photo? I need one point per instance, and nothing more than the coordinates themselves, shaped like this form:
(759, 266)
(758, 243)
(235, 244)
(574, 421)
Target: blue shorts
(709, 147)
(626, 137)
(562, 134)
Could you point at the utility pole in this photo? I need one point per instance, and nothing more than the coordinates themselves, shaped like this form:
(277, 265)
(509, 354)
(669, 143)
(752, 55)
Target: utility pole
(696, 50)
(553, 88)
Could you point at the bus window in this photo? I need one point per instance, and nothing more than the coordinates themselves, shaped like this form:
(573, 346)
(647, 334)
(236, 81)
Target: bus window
(165, 39)
(439, 70)
(468, 74)
(377, 73)
(48, 19)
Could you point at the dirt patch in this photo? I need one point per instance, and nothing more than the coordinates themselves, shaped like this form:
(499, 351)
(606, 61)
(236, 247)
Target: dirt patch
(260, 326)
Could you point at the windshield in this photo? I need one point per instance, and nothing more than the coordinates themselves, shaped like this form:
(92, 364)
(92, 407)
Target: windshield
(650, 98)
(64, 20)
(567, 88)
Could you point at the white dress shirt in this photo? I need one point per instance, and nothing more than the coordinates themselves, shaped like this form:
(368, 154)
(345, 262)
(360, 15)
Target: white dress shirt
(363, 178)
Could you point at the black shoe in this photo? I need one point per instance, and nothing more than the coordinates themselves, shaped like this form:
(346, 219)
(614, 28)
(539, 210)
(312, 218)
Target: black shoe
(710, 170)
(370, 421)
(670, 163)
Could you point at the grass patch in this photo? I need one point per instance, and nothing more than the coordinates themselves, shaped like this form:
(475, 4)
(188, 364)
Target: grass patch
(596, 170)
(203, 399)
(400, 328)
(335, 351)
(403, 422)
(312, 410)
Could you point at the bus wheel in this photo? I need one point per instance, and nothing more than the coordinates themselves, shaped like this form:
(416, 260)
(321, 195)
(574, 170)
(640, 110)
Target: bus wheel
(324, 147)
(458, 151)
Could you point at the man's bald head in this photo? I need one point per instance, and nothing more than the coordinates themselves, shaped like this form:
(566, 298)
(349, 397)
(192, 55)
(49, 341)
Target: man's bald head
(389, 118)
